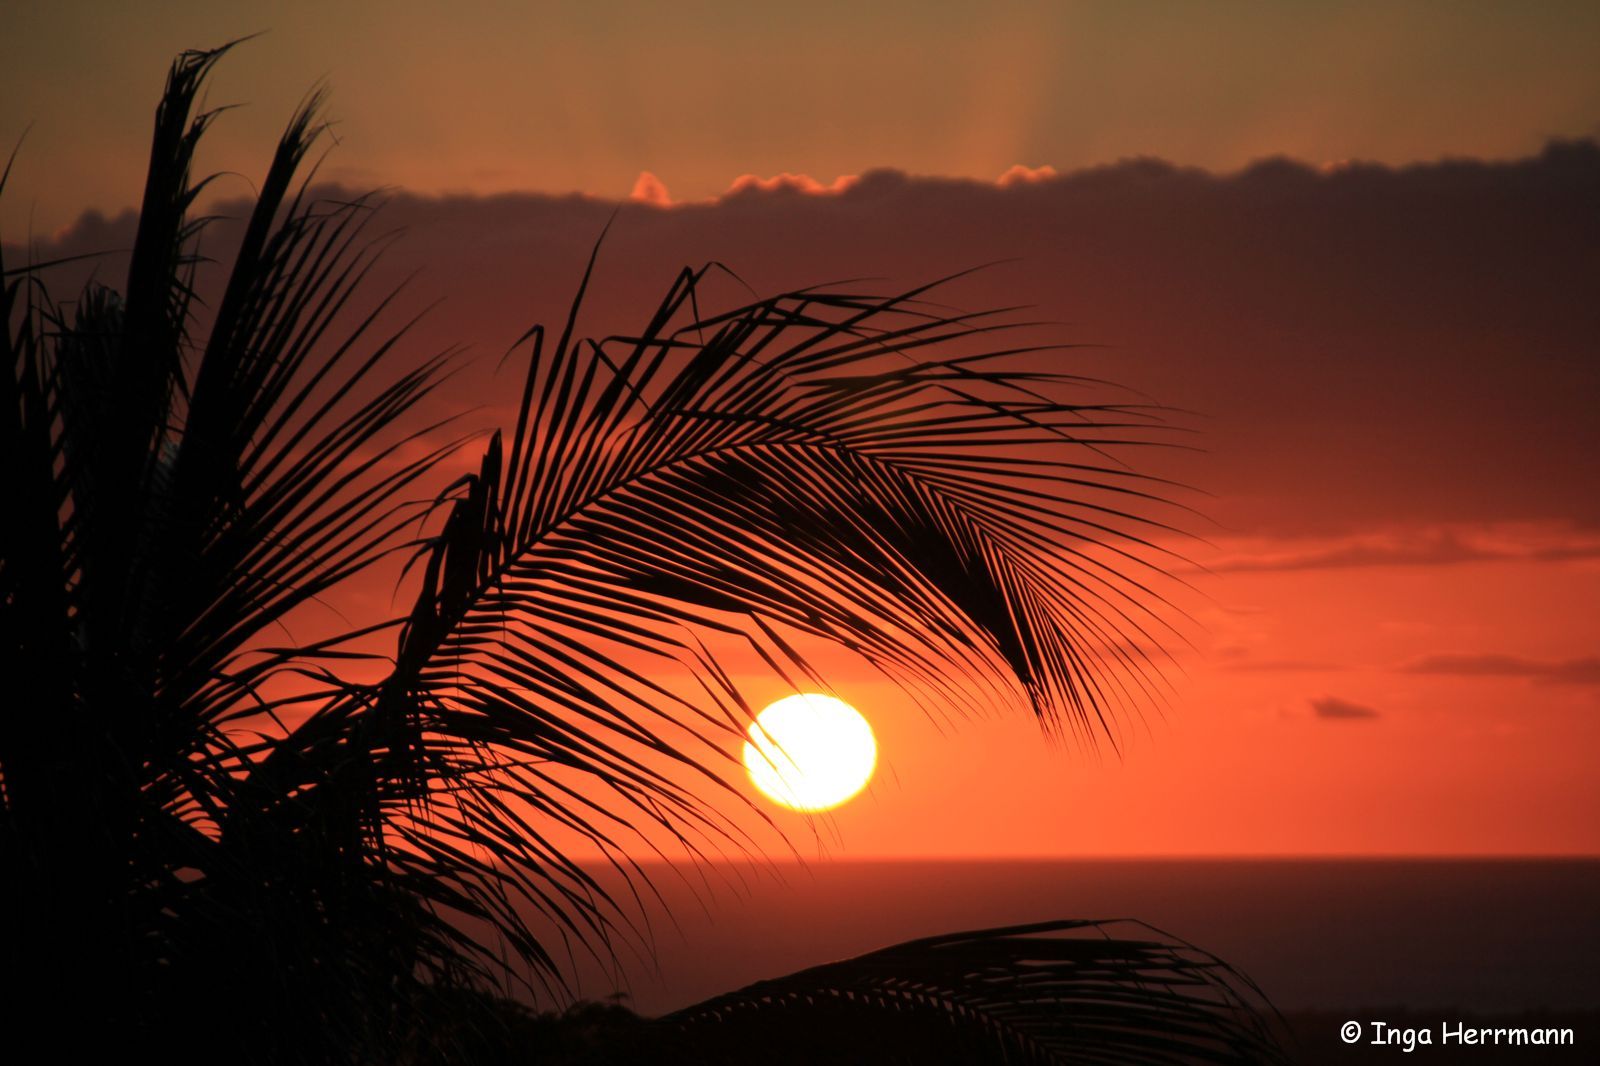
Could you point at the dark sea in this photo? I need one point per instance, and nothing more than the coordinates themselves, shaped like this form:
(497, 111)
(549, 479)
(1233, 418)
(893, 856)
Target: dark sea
(1474, 937)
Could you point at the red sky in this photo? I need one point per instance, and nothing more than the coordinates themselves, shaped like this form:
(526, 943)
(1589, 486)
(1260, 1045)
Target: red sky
(1392, 367)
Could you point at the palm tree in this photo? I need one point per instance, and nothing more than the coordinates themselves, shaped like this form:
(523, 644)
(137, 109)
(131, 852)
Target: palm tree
(874, 472)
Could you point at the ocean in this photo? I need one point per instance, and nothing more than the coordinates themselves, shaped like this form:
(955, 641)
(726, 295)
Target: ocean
(1474, 937)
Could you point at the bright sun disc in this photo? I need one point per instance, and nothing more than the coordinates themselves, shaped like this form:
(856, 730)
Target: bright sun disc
(810, 752)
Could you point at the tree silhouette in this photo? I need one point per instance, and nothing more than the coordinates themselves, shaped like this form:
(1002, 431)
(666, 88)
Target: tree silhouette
(903, 481)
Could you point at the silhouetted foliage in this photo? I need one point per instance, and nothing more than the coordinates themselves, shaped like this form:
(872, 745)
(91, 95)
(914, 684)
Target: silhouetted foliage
(1058, 992)
(344, 885)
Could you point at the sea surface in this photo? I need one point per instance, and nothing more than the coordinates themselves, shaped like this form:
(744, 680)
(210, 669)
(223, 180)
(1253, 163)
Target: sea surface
(1480, 937)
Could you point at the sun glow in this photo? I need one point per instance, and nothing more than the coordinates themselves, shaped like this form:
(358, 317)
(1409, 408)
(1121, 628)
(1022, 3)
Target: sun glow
(810, 752)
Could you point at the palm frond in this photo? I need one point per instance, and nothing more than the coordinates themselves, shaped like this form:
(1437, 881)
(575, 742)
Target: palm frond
(175, 500)
(1056, 992)
(911, 485)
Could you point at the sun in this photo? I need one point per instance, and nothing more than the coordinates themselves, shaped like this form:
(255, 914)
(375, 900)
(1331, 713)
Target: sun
(810, 752)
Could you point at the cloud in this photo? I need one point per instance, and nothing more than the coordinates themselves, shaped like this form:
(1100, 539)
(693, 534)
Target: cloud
(1021, 175)
(1333, 707)
(1238, 657)
(1284, 666)
(747, 184)
(1555, 542)
(1406, 352)
(1584, 671)
(649, 189)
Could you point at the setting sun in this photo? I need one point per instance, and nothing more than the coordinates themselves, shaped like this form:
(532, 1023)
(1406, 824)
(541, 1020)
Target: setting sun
(810, 752)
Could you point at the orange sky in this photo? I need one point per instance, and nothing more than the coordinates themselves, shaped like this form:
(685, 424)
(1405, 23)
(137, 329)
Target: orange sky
(490, 96)
(1396, 649)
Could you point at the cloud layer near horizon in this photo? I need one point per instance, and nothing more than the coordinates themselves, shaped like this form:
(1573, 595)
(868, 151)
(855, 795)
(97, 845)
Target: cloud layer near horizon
(1585, 671)
(1365, 347)
(1336, 709)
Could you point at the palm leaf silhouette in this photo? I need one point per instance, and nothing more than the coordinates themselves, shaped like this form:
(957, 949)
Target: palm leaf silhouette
(174, 499)
(850, 468)
(1056, 992)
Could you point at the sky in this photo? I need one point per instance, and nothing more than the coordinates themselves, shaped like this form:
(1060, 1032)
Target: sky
(1354, 243)
(556, 97)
